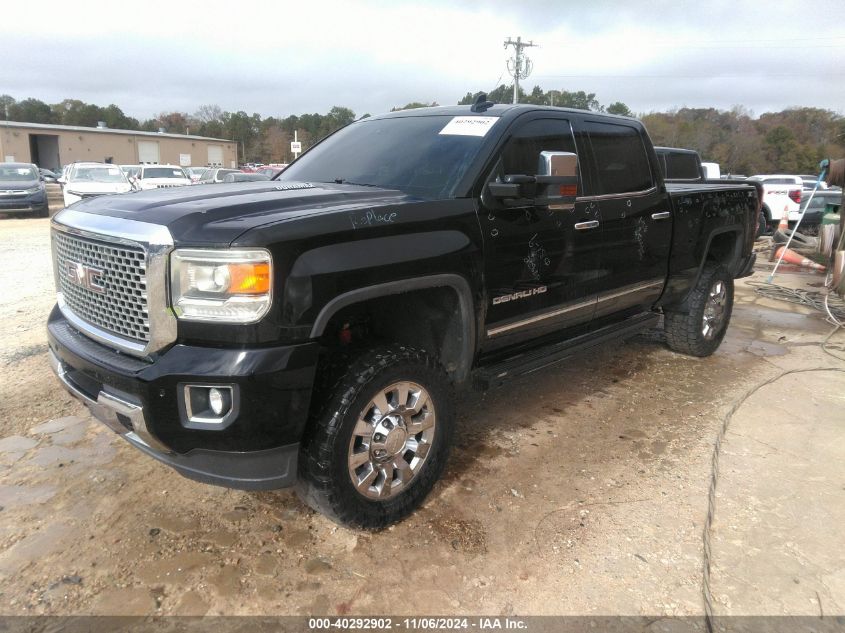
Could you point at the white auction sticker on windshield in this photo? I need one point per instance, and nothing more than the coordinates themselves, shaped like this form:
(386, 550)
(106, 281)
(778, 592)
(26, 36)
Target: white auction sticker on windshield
(469, 125)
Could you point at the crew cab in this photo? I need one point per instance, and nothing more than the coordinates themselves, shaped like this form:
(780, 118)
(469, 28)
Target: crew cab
(308, 331)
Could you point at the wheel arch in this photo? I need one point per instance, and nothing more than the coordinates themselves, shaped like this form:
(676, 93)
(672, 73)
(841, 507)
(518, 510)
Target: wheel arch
(460, 358)
(724, 246)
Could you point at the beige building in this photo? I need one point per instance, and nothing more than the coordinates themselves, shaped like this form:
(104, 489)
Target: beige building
(53, 146)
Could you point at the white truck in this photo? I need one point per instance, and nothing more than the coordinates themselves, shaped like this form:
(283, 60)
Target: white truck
(781, 196)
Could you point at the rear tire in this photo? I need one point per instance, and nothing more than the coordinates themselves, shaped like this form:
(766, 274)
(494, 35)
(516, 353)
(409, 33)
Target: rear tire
(700, 331)
(366, 467)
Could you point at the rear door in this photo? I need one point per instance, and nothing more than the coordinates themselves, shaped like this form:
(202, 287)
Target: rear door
(541, 265)
(636, 217)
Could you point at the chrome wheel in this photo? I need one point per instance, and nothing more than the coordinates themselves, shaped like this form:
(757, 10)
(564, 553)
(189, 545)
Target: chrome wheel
(714, 310)
(391, 440)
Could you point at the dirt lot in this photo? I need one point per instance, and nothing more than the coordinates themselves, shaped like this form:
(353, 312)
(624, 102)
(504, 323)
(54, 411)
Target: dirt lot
(582, 490)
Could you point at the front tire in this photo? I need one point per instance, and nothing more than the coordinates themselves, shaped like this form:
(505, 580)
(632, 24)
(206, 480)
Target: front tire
(700, 331)
(380, 440)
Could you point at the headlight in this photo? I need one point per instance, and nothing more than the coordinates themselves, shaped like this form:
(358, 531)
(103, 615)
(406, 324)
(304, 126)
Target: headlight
(33, 190)
(232, 285)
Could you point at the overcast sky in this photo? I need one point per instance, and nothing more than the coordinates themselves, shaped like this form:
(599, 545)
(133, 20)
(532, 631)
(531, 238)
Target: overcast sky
(281, 58)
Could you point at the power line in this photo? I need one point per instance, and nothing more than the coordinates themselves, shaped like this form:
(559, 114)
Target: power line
(519, 65)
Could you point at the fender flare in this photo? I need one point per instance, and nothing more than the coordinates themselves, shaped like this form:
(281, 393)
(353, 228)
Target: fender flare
(737, 257)
(448, 280)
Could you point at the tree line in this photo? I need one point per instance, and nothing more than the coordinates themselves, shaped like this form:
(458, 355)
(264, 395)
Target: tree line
(791, 141)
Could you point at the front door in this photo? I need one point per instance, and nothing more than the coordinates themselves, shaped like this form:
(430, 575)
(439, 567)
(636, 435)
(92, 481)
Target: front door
(541, 265)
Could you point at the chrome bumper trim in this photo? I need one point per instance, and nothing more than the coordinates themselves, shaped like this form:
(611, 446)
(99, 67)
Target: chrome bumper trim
(106, 408)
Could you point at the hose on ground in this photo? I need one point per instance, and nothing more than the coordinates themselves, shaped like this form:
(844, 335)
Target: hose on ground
(835, 311)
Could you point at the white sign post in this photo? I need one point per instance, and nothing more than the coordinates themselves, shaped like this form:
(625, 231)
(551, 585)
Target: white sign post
(295, 146)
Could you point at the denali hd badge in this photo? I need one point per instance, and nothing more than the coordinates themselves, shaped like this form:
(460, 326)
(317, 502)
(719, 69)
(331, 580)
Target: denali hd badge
(85, 276)
(523, 294)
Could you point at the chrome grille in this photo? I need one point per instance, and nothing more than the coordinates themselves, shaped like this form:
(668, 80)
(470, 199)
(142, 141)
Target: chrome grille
(117, 303)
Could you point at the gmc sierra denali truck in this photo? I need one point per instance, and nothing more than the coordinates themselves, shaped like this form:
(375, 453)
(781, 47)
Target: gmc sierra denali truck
(310, 330)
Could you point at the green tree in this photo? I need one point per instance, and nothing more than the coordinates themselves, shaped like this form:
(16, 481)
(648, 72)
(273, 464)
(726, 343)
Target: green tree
(502, 94)
(617, 107)
(173, 122)
(76, 112)
(116, 119)
(31, 111)
(580, 100)
(781, 148)
(414, 105)
(6, 102)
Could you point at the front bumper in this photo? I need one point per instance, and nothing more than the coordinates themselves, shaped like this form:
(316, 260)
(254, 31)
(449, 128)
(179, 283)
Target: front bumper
(139, 400)
(24, 205)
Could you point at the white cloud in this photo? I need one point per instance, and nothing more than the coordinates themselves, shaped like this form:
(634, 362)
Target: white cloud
(294, 57)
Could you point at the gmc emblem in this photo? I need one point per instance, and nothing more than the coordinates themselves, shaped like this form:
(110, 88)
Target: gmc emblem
(85, 276)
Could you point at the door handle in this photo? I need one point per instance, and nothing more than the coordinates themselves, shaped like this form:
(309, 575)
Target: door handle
(585, 226)
(663, 215)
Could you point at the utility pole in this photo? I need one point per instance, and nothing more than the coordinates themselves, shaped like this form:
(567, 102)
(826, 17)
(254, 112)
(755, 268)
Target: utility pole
(519, 66)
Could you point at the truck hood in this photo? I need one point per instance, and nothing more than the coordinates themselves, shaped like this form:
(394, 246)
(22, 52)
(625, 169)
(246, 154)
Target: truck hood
(218, 214)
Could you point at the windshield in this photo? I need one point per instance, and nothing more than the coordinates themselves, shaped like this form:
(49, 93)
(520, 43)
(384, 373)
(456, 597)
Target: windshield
(11, 174)
(97, 174)
(163, 172)
(412, 154)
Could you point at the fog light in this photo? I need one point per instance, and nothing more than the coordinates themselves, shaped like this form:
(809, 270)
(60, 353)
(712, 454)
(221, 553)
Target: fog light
(215, 399)
(208, 406)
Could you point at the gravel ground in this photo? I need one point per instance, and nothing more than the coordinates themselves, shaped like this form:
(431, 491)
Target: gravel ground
(581, 490)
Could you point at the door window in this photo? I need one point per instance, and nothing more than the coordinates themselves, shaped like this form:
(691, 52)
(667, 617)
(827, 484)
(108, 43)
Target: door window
(522, 152)
(621, 159)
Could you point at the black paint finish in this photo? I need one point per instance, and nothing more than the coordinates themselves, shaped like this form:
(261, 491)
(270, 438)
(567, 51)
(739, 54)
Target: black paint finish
(551, 279)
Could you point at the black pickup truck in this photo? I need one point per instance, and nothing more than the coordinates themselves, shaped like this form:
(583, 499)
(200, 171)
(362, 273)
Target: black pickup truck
(310, 330)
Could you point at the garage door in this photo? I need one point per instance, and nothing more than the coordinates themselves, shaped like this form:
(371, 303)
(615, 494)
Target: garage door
(148, 152)
(215, 155)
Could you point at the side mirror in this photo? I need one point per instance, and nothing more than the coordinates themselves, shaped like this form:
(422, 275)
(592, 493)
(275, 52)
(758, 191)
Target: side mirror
(557, 180)
(61, 181)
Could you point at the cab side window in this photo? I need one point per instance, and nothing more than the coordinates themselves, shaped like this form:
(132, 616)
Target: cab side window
(521, 155)
(621, 160)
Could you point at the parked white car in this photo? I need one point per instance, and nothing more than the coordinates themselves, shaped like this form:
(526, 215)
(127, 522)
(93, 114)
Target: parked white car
(781, 194)
(161, 177)
(88, 180)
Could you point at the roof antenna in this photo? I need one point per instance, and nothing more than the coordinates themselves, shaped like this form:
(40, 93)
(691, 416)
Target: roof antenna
(481, 104)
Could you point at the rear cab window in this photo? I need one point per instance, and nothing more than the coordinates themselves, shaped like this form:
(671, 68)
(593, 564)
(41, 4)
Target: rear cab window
(621, 160)
(682, 166)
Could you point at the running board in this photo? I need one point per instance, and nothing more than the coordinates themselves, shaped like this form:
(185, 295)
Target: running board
(528, 362)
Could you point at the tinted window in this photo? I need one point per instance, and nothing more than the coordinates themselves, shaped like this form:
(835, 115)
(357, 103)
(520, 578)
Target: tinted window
(681, 165)
(621, 160)
(417, 154)
(522, 152)
(163, 172)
